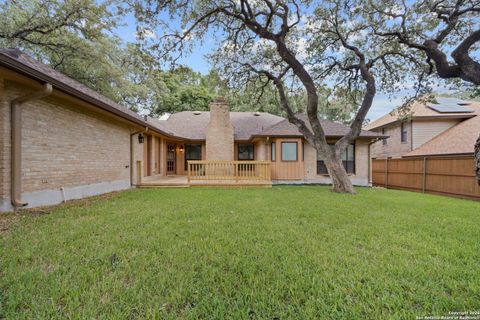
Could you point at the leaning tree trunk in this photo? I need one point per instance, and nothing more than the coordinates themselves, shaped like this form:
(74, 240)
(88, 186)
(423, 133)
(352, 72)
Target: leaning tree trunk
(340, 181)
(477, 159)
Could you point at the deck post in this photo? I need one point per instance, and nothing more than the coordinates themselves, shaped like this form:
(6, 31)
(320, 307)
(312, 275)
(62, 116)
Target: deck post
(235, 170)
(188, 171)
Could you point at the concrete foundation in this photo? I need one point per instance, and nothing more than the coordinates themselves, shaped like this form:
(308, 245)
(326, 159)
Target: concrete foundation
(52, 197)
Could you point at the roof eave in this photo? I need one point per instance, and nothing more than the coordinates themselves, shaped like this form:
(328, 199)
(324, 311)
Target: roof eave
(463, 154)
(438, 117)
(301, 136)
(19, 67)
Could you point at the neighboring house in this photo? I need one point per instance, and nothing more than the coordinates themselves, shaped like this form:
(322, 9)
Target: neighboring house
(61, 140)
(448, 127)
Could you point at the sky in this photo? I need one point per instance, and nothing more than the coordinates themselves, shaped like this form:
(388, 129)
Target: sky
(197, 60)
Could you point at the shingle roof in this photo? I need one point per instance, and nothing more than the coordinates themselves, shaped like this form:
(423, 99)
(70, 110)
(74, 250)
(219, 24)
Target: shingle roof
(459, 139)
(21, 62)
(183, 125)
(192, 125)
(417, 110)
(331, 128)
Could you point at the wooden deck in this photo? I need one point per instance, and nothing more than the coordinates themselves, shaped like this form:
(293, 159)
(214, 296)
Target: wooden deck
(164, 181)
(213, 174)
(182, 182)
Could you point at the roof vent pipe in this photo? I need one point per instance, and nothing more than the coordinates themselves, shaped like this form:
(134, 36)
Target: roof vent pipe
(16, 149)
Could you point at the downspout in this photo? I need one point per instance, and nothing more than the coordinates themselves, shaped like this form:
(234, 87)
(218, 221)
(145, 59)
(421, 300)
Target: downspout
(16, 142)
(132, 160)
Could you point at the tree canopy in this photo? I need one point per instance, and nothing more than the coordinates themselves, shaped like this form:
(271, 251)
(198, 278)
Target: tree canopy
(325, 58)
(310, 50)
(78, 39)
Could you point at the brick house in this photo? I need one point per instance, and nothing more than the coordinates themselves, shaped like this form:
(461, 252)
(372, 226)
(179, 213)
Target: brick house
(448, 127)
(61, 140)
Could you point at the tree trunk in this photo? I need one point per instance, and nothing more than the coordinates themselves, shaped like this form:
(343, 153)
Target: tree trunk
(340, 181)
(477, 159)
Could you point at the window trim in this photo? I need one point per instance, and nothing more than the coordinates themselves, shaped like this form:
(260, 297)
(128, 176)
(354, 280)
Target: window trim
(403, 130)
(185, 153)
(303, 151)
(296, 151)
(273, 151)
(246, 144)
(344, 163)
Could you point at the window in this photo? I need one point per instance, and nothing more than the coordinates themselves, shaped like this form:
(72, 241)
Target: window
(384, 141)
(192, 152)
(289, 151)
(348, 160)
(404, 132)
(274, 151)
(245, 152)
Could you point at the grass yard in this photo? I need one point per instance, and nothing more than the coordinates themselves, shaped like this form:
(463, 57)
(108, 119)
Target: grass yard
(280, 253)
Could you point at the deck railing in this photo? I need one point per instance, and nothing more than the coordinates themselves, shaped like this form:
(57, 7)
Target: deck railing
(235, 171)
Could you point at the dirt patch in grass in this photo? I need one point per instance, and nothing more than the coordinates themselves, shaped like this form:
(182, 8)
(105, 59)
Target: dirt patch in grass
(6, 220)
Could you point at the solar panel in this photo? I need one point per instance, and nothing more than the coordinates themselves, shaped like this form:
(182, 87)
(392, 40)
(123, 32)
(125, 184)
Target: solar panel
(449, 105)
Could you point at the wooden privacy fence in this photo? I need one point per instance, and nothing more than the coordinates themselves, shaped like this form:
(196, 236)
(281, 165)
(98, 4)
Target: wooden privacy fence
(454, 176)
(229, 170)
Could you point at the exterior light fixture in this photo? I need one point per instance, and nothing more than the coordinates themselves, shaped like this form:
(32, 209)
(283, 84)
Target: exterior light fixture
(141, 138)
(180, 148)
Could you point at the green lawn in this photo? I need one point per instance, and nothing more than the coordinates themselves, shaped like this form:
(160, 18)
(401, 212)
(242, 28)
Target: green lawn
(285, 252)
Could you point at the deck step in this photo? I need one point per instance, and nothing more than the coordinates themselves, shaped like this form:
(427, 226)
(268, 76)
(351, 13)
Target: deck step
(163, 186)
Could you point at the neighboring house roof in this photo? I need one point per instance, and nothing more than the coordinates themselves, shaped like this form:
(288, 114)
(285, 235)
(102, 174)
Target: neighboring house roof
(421, 110)
(20, 62)
(181, 125)
(459, 139)
(191, 125)
(331, 128)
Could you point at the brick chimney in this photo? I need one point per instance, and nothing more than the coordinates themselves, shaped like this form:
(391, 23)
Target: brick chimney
(219, 132)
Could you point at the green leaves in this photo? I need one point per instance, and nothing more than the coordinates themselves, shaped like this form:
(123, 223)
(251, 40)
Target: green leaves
(76, 38)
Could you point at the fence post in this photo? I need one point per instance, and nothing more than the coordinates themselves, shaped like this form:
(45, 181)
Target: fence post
(386, 173)
(424, 176)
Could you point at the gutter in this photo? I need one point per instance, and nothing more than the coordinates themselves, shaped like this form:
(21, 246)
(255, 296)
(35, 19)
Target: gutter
(30, 72)
(432, 117)
(16, 142)
(132, 160)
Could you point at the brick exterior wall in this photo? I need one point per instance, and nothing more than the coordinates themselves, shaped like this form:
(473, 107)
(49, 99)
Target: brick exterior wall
(219, 133)
(64, 145)
(394, 148)
(4, 142)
